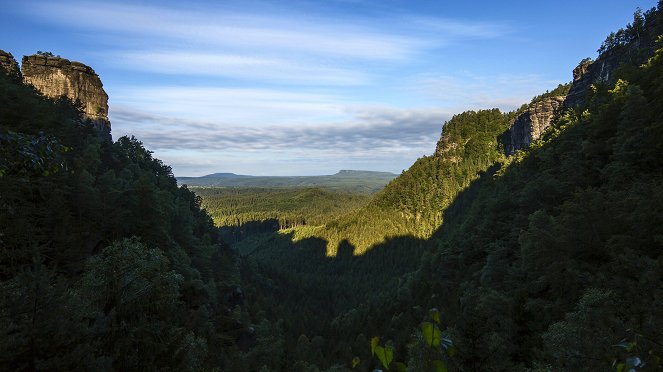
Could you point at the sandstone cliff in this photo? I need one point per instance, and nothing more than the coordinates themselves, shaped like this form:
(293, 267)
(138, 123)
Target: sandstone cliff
(9, 65)
(55, 77)
(531, 123)
(590, 72)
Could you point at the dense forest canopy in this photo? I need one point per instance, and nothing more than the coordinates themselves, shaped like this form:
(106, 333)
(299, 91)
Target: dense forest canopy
(105, 263)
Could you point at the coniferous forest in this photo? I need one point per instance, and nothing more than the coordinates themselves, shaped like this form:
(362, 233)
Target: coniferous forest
(549, 258)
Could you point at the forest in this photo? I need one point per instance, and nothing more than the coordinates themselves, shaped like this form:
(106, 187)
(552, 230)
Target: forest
(471, 260)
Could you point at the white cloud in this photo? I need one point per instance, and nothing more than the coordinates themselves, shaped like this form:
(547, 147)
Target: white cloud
(221, 28)
(236, 66)
(240, 106)
(367, 133)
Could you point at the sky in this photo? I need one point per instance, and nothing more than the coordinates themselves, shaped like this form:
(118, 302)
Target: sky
(309, 87)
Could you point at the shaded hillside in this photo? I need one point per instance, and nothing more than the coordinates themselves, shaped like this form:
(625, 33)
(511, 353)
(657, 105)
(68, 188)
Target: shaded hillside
(105, 263)
(558, 258)
(365, 182)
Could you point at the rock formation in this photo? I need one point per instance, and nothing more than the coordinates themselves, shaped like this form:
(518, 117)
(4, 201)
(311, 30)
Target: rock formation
(55, 77)
(590, 72)
(531, 123)
(9, 65)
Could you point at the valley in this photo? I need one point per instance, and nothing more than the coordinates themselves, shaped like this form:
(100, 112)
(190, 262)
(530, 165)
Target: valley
(529, 240)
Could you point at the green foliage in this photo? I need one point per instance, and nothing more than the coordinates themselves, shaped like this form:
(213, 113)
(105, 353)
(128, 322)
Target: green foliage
(432, 334)
(241, 212)
(385, 354)
(79, 291)
(560, 90)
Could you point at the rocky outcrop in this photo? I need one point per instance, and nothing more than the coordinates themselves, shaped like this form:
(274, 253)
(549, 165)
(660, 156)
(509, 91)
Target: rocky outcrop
(55, 77)
(588, 73)
(531, 123)
(9, 66)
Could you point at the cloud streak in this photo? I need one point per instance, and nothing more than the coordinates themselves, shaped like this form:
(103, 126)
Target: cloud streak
(471, 92)
(384, 131)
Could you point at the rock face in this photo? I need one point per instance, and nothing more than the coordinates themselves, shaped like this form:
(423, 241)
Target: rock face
(590, 72)
(531, 123)
(55, 77)
(9, 65)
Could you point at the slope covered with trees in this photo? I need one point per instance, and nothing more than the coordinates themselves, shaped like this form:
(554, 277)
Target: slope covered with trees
(105, 263)
(547, 260)
(557, 261)
(244, 211)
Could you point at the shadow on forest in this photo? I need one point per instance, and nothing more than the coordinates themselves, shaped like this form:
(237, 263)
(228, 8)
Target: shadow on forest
(234, 234)
(395, 255)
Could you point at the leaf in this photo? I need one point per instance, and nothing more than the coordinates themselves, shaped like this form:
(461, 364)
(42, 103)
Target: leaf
(385, 355)
(431, 333)
(440, 366)
(355, 362)
(451, 351)
(400, 367)
(374, 342)
(435, 315)
(620, 367)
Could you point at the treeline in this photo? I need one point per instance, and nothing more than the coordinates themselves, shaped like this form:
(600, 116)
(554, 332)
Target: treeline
(105, 263)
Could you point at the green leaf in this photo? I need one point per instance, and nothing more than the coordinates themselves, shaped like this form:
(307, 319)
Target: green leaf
(385, 355)
(431, 333)
(435, 315)
(631, 346)
(620, 367)
(400, 367)
(451, 351)
(355, 362)
(439, 366)
(374, 342)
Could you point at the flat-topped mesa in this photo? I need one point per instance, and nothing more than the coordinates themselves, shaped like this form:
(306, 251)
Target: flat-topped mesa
(55, 77)
(9, 66)
(531, 123)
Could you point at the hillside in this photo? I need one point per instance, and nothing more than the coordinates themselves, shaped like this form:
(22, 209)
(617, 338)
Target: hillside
(105, 263)
(366, 182)
(244, 211)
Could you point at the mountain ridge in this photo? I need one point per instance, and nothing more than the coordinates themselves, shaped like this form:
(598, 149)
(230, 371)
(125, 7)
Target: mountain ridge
(367, 182)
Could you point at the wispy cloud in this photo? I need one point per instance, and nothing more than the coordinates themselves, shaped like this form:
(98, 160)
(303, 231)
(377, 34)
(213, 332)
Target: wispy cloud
(282, 32)
(232, 106)
(369, 131)
(269, 83)
(237, 66)
(281, 46)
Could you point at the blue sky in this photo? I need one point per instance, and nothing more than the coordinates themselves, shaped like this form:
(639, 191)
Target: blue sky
(309, 87)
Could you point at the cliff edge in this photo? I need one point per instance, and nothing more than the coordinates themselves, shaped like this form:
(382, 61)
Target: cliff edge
(55, 77)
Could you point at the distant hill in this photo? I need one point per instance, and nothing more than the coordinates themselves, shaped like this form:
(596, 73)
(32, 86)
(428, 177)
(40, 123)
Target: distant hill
(366, 182)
